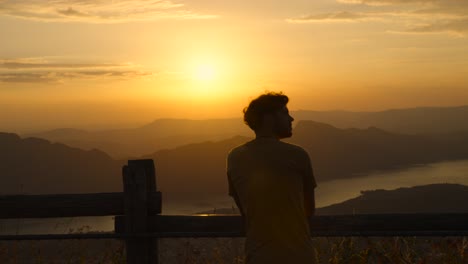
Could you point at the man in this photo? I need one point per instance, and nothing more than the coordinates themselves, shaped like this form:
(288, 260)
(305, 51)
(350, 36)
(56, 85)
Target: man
(273, 185)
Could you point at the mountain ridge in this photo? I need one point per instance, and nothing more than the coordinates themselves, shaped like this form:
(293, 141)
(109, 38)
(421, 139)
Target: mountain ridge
(405, 200)
(37, 166)
(200, 167)
(172, 132)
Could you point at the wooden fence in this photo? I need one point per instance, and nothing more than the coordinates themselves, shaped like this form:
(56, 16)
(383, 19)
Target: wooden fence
(139, 221)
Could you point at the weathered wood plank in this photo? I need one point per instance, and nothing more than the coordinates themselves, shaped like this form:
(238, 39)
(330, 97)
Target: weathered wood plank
(68, 205)
(147, 165)
(344, 225)
(139, 183)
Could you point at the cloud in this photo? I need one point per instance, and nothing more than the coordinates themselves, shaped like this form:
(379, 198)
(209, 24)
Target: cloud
(453, 27)
(11, 64)
(72, 12)
(405, 16)
(448, 6)
(41, 70)
(98, 11)
(27, 78)
(388, 2)
(59, 77)
(343, 16)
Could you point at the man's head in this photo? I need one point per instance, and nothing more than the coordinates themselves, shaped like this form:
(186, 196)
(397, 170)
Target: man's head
(268, 114)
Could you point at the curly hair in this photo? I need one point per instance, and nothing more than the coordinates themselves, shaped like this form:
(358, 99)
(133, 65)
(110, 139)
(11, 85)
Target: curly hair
(266, 103)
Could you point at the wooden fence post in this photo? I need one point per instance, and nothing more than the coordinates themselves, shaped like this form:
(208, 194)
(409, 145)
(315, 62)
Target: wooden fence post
(139, 183)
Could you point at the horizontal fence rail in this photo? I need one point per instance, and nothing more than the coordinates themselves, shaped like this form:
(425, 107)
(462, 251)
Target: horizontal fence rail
(171, 226)
(326, 225)
(67, 205)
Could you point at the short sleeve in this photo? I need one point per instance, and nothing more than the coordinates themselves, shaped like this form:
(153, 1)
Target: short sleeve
(231, 191)
(230, 186)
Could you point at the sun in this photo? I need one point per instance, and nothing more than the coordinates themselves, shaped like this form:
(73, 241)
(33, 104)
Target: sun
(204, 72)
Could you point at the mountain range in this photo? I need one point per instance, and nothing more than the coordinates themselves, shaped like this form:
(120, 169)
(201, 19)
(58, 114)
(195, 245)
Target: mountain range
(159, 134)
(171, 133)
(418, 120)
(37, 165)
(433, 198)
(335, 154)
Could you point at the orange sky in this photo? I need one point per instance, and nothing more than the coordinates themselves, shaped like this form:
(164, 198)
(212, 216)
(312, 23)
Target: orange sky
(79, 63)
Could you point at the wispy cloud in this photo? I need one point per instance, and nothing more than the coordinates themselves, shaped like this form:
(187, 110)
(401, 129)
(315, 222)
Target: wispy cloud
(343, 16)
(454, 27)
(60, 77)
(40, 70)
(382, 2)
(27, 77)
(405, 2)
(447, 7)
(21, 64)
(98, 11)
(407, 16)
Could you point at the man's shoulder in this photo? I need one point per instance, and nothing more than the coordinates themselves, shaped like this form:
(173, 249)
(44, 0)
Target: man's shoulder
(293, 148)
(238, 149)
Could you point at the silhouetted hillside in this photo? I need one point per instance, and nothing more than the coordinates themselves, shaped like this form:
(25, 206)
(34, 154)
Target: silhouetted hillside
(336, 153)
(341, 153)
(160, 134)
(434, 198)
(171, 133)
(33, 165)
(194, 168)
(420, 120)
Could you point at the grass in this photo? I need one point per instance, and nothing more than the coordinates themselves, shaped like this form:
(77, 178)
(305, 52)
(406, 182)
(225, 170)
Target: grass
(392, 250)
(352, 250)
(338, 250)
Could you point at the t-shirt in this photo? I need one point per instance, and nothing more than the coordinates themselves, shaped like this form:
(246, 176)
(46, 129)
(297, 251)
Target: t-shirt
(269, 177)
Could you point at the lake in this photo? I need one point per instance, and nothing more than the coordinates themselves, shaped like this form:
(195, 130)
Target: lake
(327, 193)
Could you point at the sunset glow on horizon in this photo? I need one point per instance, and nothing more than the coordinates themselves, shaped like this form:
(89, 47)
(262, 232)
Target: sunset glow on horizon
(78, 63)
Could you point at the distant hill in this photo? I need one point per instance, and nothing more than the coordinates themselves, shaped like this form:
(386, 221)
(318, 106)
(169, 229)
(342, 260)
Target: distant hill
(335, 153)
(34, 166)
(342, 153)
(433, 198)
(200, 167)
(171, 133)
(160, 134)
(419, 120)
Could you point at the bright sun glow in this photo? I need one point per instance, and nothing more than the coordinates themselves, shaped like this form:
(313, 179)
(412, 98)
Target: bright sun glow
(205, 72)
(207, 78)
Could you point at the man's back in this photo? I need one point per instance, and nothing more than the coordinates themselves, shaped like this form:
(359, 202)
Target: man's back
(269, 178)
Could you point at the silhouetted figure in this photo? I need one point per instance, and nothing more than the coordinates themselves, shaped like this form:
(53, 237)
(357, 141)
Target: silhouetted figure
(273, 186)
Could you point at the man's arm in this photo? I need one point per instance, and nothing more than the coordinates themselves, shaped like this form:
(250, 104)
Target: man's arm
(309, 203)
(232, 190)
(309, 188)
(233, 194)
